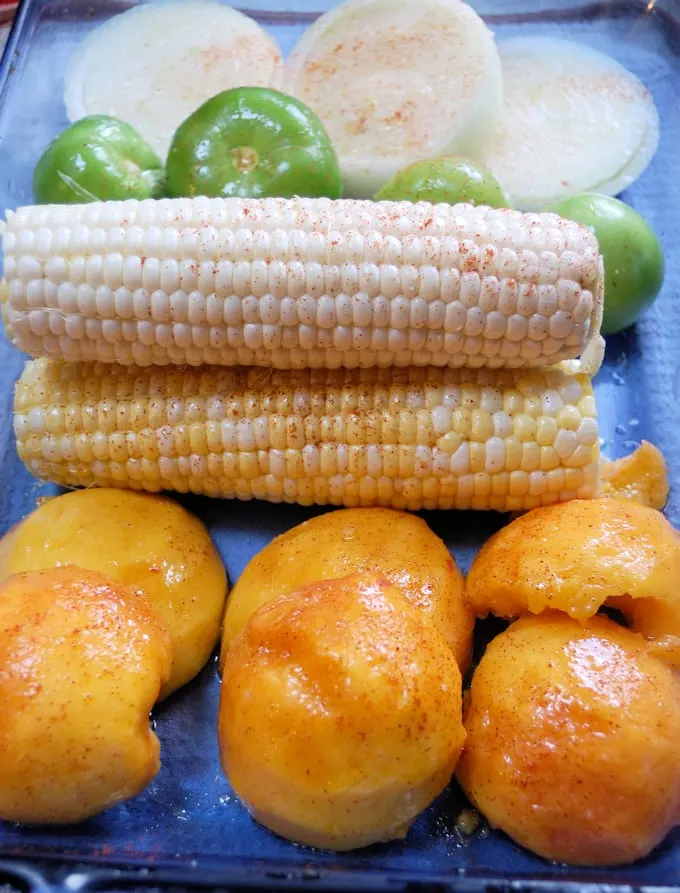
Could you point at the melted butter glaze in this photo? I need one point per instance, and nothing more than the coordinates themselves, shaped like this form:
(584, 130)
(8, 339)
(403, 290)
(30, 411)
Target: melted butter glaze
(573, 737)
(149, 543)
(348, 541)
(82, 661)
(580, 555)
(340, 715)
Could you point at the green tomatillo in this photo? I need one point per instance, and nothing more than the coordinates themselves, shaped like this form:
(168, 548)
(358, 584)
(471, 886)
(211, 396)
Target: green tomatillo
(253, 142)
(633, 260)
(97, 159)
(448, 179)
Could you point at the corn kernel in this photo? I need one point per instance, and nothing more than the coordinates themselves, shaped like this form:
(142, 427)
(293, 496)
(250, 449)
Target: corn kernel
(481, 427)
(524, 427)
(531, 456)
(482, 484)
(500, 484)
(477, 457)
(569, 418)
(513, 454)
(546, 431)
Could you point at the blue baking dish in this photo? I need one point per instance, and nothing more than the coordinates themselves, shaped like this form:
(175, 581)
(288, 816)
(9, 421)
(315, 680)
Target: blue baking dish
(187, 829)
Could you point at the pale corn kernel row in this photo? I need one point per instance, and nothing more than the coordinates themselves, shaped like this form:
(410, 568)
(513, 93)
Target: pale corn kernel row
(300, 283)
(411, 438)
(191, 216)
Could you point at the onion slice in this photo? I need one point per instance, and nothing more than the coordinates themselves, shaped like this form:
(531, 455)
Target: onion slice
(574, 120)
(395, 81)
(156, 63)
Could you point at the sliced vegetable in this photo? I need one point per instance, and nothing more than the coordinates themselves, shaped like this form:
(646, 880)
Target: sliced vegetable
(302, 283)
(407, 438)
(155, 63)
(96, 159)
(253, 142)
(573, 120)
(634, 264)
(395, 82)
(445, 179)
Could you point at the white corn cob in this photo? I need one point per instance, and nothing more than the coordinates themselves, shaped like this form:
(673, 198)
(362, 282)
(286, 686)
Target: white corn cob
(299, 283)
(409, 438)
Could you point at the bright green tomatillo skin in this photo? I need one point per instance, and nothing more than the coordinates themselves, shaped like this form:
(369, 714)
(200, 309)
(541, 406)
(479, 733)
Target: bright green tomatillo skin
(97, 159)
(447, 179)
(253, 142)
(634, 264)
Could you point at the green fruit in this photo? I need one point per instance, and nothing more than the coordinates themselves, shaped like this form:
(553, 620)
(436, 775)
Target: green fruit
(445, 179)
(97, 159)
(253, 142)
(633, 260)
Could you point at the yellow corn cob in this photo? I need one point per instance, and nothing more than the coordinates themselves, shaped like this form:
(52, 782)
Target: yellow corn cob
(409, 438)
(305, 283)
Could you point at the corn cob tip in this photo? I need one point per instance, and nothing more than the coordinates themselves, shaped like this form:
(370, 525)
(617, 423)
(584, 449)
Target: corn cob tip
(592, 357)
